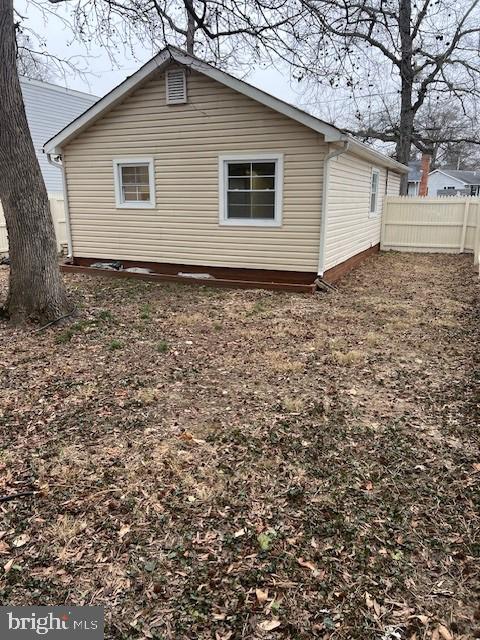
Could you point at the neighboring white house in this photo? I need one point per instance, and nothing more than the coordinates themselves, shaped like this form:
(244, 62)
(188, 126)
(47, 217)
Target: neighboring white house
(451, 182)
(50, 107)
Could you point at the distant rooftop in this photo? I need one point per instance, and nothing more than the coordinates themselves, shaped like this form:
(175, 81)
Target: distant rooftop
(468, 177)
(56, 87)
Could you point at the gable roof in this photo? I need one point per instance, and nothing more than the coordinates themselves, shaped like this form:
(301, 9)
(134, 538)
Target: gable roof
(171, 54)
(467, 177)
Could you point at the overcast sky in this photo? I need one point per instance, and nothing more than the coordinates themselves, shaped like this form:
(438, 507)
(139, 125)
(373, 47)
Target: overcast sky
(102, 74)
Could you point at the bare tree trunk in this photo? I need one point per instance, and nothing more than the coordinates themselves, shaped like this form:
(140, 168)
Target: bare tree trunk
(36, 290)
(190, 33)
(404, 143)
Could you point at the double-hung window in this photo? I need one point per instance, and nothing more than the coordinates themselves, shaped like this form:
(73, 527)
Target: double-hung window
(134, 183)
(251, 189)
(374, 193)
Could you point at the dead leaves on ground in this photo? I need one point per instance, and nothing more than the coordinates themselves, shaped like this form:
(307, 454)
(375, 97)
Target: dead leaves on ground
(269, 625)
(262, 595)
(307, 471)
(21, 540)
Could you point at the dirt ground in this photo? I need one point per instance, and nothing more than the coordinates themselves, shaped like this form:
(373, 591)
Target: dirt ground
(248, 464)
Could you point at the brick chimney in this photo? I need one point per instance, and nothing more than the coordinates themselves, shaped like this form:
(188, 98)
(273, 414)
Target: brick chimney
(425, 169)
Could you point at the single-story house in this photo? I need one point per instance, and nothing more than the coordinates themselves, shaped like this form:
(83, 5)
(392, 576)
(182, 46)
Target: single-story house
(183, 168)
(49, 107)
(444, 181)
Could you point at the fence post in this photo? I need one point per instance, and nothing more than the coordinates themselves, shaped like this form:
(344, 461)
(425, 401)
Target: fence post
(476, 246)
(464, 226)
(383, 222)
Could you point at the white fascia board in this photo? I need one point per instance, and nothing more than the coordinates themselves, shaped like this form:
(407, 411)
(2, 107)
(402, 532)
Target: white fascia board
(96, 111)
(444, 173)
(330, 133)
(172, 54)
(364, 151)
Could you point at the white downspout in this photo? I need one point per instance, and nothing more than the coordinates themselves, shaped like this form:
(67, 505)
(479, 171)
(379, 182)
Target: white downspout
(61, 166)
(323, 221)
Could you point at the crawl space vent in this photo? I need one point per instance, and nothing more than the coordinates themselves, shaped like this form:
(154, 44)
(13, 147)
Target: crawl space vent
(176, 86)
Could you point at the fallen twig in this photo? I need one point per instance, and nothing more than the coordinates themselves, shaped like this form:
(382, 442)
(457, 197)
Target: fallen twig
(14, 496)
(49, 324)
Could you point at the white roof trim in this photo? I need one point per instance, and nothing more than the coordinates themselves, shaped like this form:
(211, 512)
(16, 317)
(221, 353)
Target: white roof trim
(106, 103)
(444, 173)
(366, 152)
(172, 54)
(330, 132)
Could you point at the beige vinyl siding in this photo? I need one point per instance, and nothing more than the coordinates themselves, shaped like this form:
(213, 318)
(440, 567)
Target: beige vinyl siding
(350, 228)
(185, 141)
(393, 185)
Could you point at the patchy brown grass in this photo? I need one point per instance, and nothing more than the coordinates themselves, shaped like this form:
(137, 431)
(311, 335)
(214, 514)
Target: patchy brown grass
(247, 464)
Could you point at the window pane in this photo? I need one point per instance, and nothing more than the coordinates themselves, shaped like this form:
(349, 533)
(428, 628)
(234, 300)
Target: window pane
(135, 174)
(260, 212)
(263, 183)
(263, 197)
(373, 193)
(239, 183)
(239, 169)
(250, 190)
(240, 197)
(128, 175)
(130, 195)
(239, 205)
(263, 168)
(135, 182)
(238, 211)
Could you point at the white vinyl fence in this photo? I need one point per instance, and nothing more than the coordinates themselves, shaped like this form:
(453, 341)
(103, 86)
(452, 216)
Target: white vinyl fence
(58, 215)
(432, 225)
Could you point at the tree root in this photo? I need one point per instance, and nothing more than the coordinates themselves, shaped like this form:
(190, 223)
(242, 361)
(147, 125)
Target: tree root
(52, 322)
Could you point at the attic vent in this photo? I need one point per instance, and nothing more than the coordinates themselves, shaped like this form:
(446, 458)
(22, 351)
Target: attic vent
(176, 86)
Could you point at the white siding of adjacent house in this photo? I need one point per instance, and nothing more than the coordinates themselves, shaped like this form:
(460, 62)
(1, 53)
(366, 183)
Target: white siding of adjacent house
(350, 228)
(185, 141)
(49, 108)
(440, 182)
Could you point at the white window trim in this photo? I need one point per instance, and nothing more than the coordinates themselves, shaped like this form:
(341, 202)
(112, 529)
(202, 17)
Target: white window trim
(222, 188)
(376, 213)
(120, 203)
